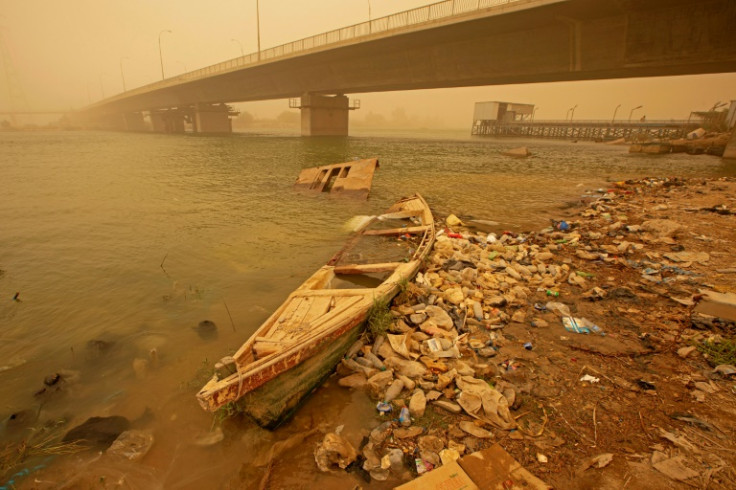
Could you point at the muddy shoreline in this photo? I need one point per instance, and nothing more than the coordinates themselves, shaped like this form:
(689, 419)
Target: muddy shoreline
(596, 352)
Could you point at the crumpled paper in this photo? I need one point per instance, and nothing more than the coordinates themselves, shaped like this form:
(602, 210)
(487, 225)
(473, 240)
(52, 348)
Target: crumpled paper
(481, 401)
(334, 450)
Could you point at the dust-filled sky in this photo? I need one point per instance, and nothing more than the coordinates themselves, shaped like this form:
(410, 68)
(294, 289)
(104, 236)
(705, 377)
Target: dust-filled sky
(64, 53)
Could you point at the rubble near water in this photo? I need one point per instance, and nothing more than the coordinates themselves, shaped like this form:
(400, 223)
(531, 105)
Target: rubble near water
(598, 352)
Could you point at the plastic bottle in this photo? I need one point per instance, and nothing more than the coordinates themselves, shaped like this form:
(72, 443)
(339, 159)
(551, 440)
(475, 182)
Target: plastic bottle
(404, 417)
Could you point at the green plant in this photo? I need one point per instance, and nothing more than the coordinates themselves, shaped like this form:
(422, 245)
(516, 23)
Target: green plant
(201, 376)
(433, 418)
(225, 412)
(719, 352)
(378, 318)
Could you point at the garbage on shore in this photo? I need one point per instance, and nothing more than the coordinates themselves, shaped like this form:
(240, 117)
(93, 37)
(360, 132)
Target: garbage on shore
(559, 340)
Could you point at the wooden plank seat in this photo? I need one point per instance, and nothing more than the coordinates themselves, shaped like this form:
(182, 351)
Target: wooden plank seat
(366, 268)
(397, 231)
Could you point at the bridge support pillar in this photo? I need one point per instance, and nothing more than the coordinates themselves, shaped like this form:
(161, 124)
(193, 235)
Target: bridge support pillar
(171, 121)
(730, 151)
(324, 115)
(133, 121)
(212, 118)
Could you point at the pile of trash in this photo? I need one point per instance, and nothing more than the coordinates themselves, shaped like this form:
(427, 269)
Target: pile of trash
(559, 341)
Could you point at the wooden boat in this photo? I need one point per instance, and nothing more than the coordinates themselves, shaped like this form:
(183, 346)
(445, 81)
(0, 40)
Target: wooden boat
(350, 179)
(300, 344)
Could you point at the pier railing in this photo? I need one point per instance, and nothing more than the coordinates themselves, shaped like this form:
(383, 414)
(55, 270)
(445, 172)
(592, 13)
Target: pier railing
(586, 130)
(380, 26)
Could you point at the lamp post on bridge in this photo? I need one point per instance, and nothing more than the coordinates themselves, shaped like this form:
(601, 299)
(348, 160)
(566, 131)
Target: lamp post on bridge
(258, 29)
(572, 111)
(122, 76)
(614, 113)
(160, 55)
(242, 53)
(102, 88)
(369, 17)
(632, 111)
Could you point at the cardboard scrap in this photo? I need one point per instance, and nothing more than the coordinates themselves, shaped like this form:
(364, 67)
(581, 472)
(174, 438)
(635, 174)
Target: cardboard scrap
(446, 476)
(490, 469)
(721, 305)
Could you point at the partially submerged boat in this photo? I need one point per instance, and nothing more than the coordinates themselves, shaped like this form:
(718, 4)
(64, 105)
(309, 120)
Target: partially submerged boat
(350, 179)
(300, 344)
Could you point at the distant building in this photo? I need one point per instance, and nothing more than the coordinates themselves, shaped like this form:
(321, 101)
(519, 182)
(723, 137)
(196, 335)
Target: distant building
(495, 112)
(731, 118)
(502, 111)
(716, 119)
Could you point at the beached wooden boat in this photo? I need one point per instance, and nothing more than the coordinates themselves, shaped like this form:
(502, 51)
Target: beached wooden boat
(300, 344)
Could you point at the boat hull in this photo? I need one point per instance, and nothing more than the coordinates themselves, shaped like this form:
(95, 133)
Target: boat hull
(300, 344)
(274, 402)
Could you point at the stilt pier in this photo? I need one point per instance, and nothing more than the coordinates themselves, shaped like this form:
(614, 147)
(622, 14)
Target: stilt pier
(585, 130)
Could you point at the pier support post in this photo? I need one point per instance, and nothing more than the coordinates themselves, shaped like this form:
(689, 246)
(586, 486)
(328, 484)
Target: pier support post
(213, 118)
(730, 151)
(324, 115)
(171, 121)
(133, 121)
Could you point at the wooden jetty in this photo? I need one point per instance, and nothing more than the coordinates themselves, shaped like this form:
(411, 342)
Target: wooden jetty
(585, 130)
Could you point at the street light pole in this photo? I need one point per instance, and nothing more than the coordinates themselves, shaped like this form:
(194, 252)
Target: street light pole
(614, 113)
(160, 55)
(258, 29)
(122, 76)
(369, 16)
(632, 111)
(102, 88)
(572, 113)
(242, 53)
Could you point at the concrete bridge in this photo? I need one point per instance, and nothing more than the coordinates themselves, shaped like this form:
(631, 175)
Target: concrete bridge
(454, 43)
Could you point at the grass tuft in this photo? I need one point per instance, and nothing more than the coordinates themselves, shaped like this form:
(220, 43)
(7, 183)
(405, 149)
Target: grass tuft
(41, 442)
(719, 351)
(379, 318)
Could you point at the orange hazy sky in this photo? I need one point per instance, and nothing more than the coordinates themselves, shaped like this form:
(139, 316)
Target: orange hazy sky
(66, 53)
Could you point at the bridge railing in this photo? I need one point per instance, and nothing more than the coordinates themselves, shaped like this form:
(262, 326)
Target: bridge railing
(413, 17)
(638, 122)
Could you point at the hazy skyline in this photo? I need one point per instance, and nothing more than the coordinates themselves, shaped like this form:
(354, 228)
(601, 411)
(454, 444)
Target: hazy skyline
(64, 54)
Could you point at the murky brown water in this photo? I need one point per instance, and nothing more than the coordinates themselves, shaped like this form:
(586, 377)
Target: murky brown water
(121, 243)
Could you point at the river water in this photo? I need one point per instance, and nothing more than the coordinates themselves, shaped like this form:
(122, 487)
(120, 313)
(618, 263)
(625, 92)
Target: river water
(121, 243)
